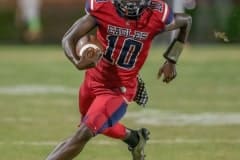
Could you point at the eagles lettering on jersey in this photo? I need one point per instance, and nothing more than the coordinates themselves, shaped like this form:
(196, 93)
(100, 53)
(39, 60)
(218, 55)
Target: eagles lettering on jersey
(126, 32)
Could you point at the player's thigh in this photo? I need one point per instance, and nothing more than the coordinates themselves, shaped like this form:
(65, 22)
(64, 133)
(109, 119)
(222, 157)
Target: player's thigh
(104, 112)
(85, 98)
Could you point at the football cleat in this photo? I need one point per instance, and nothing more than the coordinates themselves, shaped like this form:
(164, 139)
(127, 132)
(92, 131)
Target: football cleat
(138, 150)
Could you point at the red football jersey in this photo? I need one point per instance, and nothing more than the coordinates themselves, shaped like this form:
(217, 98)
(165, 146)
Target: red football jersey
(127, 42)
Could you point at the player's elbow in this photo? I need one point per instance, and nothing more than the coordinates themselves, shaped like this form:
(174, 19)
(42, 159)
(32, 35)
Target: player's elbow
(64, 41)
(66, 46)
(184, 20)
(189, 20)
(67, 38)
(187, 23)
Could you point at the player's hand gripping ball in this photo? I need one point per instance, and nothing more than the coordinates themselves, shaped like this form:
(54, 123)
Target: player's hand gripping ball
(89, 50)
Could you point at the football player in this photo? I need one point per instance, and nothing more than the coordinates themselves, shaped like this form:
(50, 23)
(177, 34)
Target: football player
(126, 29)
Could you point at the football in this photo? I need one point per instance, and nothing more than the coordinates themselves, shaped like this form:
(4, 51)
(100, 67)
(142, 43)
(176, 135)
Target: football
(89, 50)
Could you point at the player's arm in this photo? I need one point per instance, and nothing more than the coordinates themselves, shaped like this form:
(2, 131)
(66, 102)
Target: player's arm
(81, 27)
(182, 22)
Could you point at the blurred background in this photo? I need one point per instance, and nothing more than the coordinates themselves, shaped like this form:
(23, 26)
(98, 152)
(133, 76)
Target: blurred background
(45, 21)
(195, 117)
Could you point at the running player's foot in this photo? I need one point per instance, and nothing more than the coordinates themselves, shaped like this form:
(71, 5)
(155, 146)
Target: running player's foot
(138, 150)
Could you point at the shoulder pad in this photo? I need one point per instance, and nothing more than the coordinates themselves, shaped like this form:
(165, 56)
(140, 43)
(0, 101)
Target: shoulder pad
(164, 12)
(94, 5)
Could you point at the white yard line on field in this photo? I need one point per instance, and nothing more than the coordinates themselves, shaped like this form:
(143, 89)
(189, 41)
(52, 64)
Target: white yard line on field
(36, 89)
(158, 118)
(153, 118)
(114, 142)
(144, 116)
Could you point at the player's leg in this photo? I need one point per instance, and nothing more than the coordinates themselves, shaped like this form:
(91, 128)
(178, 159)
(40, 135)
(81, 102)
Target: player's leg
(112, 110)
(119, 131)
(29, 11)
(135, 139)
(138, 149)
(103, 112)
(71, 147)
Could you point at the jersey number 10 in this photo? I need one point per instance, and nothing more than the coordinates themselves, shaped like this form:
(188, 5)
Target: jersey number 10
(128, 53)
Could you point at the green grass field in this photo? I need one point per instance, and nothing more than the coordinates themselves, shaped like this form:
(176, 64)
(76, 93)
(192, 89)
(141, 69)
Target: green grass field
(196, 117)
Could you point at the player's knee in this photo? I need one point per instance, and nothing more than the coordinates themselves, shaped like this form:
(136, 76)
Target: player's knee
(83, 134)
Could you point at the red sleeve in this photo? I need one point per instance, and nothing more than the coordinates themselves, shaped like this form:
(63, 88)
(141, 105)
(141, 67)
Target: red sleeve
(167, 16)
(88, 6)
(164, 12)
(93, 5)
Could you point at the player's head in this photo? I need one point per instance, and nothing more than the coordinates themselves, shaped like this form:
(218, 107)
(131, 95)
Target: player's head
(131, 9)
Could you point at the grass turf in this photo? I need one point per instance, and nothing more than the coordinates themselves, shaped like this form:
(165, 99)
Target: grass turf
(207, 82)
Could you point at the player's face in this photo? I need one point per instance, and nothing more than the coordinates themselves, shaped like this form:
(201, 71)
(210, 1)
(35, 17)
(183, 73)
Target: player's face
(131, 9)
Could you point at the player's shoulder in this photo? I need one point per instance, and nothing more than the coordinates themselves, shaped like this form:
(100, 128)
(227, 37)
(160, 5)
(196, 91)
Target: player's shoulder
(162, 10)
(96, 5)
(159, 6)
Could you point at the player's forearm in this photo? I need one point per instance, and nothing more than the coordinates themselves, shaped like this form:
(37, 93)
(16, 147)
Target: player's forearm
(77, 30)
(182, 22)
(69, 42)
(68, 47)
